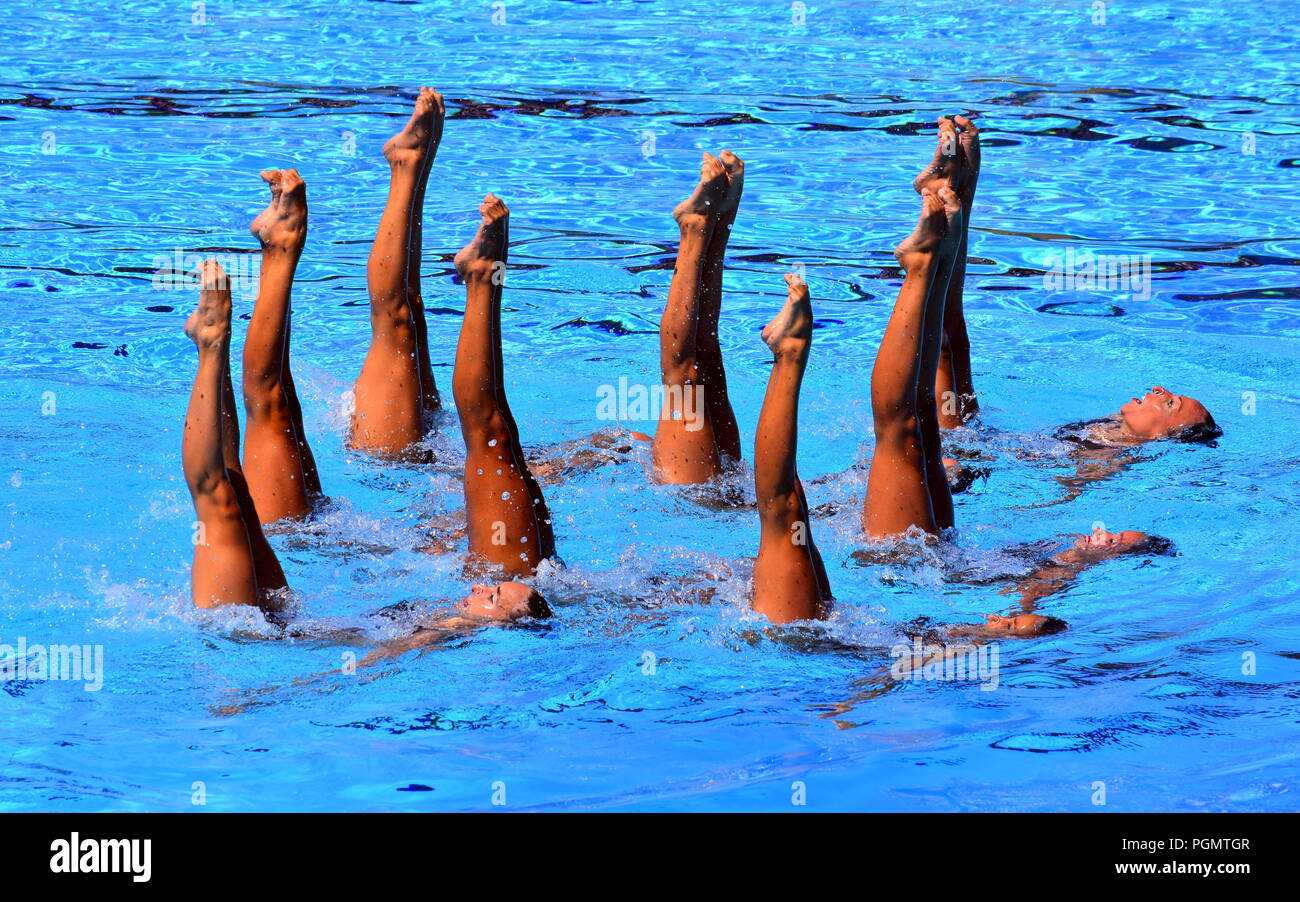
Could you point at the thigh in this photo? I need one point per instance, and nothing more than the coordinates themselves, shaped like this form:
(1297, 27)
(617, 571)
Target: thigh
(685, 455)
(388, 412)
(786, 583)
(503, 512)
(273, 468)
(898, 496)
(223, 571)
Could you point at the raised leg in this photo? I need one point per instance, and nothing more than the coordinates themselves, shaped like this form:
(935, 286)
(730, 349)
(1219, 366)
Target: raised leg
(508, 521)
(224, 570)
(708, 350)
(265, 563)
(789, 576)
(954, 384)
(273, 444)
(898, 490)
(429, 396)
(686, 449)
(822, 578)
(931, 350)
(389, 414)
(309, 471)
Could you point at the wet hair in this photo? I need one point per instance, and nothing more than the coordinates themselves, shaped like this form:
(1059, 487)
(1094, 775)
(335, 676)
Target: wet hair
(1051, 625)
(1156, 545)
(537, 606)
(1202, 433)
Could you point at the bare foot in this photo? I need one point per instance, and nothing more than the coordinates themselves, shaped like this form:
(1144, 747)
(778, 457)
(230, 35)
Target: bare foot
(790, 331)
(479, 258)
(418, 141)
(918, 249)
(209, 325)
(735, 168)
(944, 166)
(283, 224)
(705, 203)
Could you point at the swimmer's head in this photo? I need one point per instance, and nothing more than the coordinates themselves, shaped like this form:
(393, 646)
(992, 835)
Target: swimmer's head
(504, 601)
(1022, 626)
(1162, 414)
(1103, 544)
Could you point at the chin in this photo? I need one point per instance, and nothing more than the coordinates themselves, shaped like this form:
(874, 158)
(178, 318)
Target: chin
(1135, 427)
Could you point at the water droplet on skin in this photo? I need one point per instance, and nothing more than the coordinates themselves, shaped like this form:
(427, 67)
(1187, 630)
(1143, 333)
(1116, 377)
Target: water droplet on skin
(480, 471)
(498, 471)
(492, 443)
(505, 496)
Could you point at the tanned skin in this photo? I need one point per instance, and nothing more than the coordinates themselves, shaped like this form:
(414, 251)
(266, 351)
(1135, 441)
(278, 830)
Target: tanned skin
(790, 581)
(278, 462)
(395, 390)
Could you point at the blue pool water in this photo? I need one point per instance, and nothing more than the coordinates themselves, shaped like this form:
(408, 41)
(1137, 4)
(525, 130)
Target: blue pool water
(128, 132)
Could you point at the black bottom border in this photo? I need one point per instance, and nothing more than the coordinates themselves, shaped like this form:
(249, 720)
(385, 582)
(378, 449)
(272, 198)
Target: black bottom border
(331, 851)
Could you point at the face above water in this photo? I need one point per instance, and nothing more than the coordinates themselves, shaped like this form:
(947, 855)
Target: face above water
(1023, 625)
(1112, 543)
(504, 601)
(1160, 413)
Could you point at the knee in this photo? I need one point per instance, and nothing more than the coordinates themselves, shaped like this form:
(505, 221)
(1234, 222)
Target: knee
(265, 400)
(678, 364)
(897, 429)
(781, 510)
(215, 499)
(394, 320)
(488, 432)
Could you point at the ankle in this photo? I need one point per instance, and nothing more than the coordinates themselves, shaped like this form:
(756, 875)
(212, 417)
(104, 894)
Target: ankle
(405, 158)
(213, 350)
(792, 350)
(918, 264)
(288, 247)
(693, 223)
